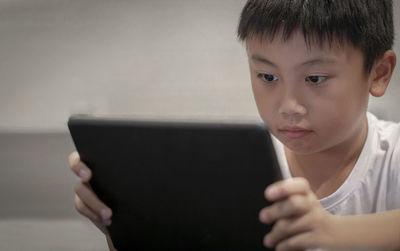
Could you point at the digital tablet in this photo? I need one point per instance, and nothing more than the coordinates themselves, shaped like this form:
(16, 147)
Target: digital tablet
(179, 185)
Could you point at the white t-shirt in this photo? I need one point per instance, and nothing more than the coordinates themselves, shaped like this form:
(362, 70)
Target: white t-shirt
(374, 183)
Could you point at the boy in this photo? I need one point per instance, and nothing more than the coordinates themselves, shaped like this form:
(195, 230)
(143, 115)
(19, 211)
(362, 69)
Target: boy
(313, 65)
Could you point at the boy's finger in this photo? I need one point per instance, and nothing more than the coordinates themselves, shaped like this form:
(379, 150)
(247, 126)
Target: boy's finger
(78, 167)
(285, 188)
(74, 158)
(295, 205)
(90, 199)
(277, 233)
(286, 228)
(304, 241)
(101, 227)
(85, 211)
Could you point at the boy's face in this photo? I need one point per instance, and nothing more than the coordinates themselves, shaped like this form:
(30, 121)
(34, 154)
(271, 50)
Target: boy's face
(312, 98)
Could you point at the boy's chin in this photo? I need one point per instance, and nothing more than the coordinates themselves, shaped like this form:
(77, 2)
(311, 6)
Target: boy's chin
(300, 151)
(300, 147)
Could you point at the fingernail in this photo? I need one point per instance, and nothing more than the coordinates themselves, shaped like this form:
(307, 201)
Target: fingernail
(264, 218)
(267, 242)
(83, 174)
(273, 193)
(105, 213)
(107, 222)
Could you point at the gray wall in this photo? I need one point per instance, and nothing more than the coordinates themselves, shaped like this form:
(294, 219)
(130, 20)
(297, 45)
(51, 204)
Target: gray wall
(134, 58)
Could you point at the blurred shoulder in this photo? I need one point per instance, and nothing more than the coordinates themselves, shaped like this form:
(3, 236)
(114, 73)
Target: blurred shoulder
(387, 139)
(386, 157)
(388, 131)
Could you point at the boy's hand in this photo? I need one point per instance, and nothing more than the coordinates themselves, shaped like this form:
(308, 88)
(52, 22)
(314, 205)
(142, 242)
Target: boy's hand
(86, 201)
(300, 220)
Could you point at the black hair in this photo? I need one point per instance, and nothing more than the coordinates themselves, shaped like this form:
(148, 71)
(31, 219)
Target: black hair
(366, 24)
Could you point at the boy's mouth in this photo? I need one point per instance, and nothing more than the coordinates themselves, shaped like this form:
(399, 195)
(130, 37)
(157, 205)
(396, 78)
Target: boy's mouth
(294, 132)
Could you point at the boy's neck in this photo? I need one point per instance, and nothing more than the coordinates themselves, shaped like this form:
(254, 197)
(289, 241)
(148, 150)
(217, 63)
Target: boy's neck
(326, 171)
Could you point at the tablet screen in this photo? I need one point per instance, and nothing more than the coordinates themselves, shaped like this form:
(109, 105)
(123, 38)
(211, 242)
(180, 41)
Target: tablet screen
(179, 185)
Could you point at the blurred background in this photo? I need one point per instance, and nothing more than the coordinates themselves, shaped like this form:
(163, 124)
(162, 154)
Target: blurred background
(153, 58)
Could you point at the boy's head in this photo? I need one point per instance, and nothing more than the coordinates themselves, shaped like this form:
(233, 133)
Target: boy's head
(313, 64)
(365, 24)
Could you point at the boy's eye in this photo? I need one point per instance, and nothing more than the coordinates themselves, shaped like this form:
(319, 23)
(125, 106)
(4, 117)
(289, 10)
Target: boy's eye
(316, 79)
(267, 77)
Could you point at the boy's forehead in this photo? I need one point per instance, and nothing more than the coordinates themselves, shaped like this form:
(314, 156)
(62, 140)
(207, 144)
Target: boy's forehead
(297, 45)
(297, 39)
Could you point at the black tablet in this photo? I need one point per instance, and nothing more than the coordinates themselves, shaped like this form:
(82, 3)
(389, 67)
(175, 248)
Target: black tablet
(179, 185)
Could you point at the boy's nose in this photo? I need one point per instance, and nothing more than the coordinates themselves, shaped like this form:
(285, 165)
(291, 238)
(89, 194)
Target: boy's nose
(291, 107)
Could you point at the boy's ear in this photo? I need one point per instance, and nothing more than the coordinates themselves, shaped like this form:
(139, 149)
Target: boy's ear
(381, 73)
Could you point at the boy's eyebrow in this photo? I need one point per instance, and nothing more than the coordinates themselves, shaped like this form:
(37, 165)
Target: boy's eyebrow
(260, 59)
(319, 61)
(314, 61)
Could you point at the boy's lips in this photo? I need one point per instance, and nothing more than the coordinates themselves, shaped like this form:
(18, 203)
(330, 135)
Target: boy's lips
(294, 132)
